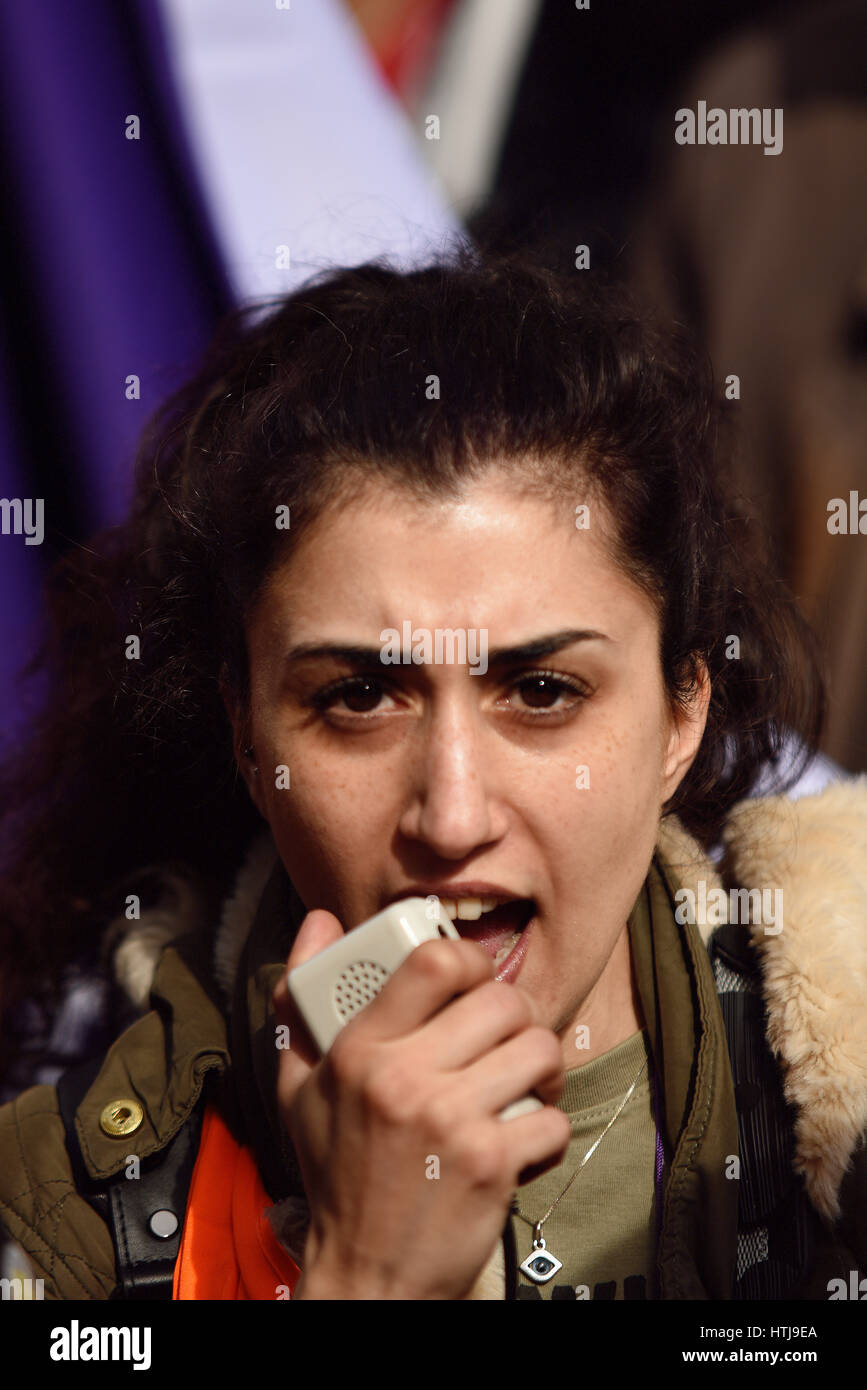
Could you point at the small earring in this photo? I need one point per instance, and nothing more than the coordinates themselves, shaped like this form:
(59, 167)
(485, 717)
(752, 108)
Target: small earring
(249, 753)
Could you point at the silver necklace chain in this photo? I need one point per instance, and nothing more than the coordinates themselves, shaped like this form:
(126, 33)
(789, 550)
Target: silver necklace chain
(546, 1266)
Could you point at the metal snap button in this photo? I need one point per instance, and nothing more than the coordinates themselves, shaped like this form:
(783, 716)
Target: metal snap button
(121, 1117)
(163, 1224)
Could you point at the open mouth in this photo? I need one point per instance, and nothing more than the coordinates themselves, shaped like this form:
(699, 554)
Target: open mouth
(496, 924)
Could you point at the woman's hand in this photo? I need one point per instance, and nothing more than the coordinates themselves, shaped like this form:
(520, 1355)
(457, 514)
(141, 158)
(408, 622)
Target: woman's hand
(408, 1169)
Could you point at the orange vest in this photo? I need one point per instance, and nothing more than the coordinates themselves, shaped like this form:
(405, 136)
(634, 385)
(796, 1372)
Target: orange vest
(228, 1249)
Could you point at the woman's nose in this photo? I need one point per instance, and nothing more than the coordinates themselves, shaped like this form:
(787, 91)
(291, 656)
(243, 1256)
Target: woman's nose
(452, 806)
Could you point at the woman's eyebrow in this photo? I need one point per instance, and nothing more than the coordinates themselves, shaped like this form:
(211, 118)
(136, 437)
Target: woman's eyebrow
(357, 655)
(339, 651)
(544, 646)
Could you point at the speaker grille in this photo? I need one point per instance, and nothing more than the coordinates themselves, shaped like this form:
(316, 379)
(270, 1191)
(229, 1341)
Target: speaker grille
(359, 983)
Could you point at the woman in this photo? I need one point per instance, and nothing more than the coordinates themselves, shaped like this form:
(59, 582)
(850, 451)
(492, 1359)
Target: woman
(486, 450)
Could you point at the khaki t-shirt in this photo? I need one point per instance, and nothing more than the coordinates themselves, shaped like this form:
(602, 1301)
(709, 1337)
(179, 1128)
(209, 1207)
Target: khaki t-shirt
(604, 1228)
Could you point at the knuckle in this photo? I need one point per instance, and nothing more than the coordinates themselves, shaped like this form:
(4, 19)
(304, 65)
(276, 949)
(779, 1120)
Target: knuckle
(391, 1093)
(480, 1159)
(347, 1061)
(439, 1116)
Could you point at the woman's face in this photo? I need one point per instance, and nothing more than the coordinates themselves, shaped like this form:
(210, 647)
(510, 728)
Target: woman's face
(415, 778)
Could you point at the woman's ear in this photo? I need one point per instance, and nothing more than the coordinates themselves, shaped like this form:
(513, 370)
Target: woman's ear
(688, 720)
(242, 747)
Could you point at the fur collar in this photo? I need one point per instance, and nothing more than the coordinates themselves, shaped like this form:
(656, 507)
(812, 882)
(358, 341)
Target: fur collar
(814, 971)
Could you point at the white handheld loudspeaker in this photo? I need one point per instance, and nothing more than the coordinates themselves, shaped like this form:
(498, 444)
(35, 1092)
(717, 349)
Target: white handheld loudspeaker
(338, 982)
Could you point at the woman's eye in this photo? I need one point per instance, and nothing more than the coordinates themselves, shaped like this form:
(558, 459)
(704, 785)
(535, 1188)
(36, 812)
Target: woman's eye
(543, 692)
(359, 696)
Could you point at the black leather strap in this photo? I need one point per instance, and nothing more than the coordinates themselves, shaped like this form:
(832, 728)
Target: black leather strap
(145, 1261)
(733, 944)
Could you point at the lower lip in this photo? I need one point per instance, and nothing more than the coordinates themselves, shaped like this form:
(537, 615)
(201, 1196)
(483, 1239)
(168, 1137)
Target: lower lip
(508, 971)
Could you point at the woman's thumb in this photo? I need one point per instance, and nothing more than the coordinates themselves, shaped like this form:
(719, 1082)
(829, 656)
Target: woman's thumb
(318, 930)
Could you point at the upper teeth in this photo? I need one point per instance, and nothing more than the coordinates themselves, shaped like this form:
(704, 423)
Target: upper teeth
(470, 909)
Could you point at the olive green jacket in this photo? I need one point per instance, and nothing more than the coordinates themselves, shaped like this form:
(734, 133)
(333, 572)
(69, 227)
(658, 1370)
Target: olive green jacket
(210, 1023)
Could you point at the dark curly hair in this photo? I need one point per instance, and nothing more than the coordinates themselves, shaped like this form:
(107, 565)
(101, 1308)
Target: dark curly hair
(297, 403)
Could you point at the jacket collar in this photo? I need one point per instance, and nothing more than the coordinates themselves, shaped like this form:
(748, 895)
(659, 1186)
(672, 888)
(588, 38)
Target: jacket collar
(814, 971)
(161, 1061)
(695, 1100)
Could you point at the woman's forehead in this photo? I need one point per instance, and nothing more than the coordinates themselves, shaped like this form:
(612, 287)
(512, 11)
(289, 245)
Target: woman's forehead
(513, 563)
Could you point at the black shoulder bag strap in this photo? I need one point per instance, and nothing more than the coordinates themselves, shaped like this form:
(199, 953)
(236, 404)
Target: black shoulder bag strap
(776, 1222)
(145, 1214)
